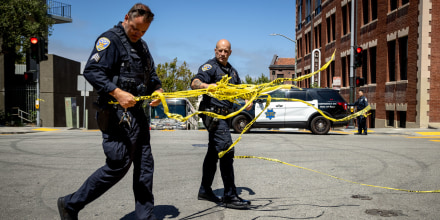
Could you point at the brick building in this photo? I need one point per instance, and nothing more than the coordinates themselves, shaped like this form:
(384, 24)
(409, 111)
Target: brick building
(400, 64)
(282, 68)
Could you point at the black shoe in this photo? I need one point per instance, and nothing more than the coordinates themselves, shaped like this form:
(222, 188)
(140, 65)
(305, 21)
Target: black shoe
(357, 133)
(365, 133)
(64, 213)
(236, 203)
(209, 197)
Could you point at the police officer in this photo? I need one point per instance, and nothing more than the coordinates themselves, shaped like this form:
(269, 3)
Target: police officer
(219, 135)
(360, 104)
(119, 68)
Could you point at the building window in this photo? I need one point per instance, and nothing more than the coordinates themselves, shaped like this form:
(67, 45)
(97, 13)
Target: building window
(273, 72)
(280, 76)
(299, 13)
(346, 21)
(390, 118)
(318, 36)
(308, 9)
(404, 2)
(318, 7)
(372, 64)
(331, 28)
(403, 57)
(369, 11)
(393, 5)
(344, 71)
(300, 48)
(308, 42)
(391, 61)
(365, 66)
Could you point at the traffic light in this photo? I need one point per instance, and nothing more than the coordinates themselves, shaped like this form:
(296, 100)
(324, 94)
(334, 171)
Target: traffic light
(358, 57)
(30, 77)
(360, 81)
(43, 48)
(35, 48)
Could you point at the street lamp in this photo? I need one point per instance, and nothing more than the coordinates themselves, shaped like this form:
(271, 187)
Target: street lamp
(288, 38)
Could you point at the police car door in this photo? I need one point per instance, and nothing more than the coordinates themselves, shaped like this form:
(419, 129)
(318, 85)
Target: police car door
(274, 114)
(298, 111)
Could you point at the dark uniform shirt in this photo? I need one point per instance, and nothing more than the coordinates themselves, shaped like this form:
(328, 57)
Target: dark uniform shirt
(361, 103)
(115, 58)
(211, 72)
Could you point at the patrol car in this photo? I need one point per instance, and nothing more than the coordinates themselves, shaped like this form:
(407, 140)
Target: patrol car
(291, 114)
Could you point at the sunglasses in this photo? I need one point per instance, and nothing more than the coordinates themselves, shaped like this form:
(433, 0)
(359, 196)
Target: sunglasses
(142, 12)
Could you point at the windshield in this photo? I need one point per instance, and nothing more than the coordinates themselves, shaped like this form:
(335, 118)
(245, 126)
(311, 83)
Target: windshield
(158, 112)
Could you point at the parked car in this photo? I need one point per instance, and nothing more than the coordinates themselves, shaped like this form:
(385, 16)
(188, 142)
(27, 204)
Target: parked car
(291, 114)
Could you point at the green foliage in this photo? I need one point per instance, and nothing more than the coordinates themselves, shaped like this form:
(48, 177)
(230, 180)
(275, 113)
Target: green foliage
(174, 78)
(260, 80)
(21, 19)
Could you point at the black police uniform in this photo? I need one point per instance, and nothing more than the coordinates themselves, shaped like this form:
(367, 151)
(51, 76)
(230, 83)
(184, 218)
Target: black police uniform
(117, 62)
(219, 134)
(360, 104)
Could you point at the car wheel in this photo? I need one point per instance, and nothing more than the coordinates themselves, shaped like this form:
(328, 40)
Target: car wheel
(320, 125)
(239, 123)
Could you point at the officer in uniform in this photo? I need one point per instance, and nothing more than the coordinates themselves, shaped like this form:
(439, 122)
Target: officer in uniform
(219, 135)
(360, 104)
(119, 68)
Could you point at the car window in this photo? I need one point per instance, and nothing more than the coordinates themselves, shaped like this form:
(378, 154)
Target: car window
(298, 95)
(278, 94)
(330, 96)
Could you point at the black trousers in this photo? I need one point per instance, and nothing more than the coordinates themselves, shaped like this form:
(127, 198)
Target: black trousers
(219, 140)
(362, 124)
(123, 145)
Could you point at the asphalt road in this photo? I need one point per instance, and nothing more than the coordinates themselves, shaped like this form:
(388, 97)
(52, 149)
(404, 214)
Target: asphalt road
(37, 168)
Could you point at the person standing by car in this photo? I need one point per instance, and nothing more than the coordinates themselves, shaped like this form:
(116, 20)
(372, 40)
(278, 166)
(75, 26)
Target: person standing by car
(360, 104)
(219, 135)
(121, 67)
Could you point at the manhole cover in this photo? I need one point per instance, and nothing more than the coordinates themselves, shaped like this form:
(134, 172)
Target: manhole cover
(384, 213)
(200, 145)
(361, 197)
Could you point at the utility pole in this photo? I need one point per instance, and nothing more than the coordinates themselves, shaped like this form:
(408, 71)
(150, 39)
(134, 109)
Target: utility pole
(352, 48)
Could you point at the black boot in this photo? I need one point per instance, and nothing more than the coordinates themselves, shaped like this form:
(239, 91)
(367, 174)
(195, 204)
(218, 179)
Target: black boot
(236, 203)
(65, 214)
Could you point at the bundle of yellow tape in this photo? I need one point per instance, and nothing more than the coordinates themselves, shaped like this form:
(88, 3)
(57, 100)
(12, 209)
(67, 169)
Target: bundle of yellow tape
(231, 92)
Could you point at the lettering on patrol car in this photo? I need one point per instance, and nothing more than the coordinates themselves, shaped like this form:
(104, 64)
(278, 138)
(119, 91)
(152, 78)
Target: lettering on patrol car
(270, 114)
(102, 43)
(206, 67)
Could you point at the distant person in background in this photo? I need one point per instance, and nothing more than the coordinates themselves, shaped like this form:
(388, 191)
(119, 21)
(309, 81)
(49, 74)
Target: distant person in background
(360, 104)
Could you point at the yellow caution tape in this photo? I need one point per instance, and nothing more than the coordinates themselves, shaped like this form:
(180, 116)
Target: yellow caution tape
(232, 92)
(335, 177)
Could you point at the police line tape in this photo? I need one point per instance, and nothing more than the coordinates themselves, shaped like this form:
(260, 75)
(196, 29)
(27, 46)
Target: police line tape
(232, 93)
(335, 177)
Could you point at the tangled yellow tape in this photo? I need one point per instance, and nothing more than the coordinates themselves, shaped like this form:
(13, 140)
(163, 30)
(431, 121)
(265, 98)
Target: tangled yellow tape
(231, 92)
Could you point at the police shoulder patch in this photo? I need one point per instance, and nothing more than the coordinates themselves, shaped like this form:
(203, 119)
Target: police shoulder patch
(206, 67)
(102, 43)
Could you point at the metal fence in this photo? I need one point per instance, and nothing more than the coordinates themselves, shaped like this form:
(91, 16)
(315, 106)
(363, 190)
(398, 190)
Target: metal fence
(23, 97)
(58, 8)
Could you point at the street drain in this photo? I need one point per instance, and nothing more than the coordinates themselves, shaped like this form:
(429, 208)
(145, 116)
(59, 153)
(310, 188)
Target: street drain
(384, 213)
(200, 145)
(361, 197)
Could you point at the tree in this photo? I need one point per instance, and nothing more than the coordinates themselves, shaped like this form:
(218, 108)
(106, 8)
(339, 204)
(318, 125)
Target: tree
(174, 78)
(19, 20)
(260, 80)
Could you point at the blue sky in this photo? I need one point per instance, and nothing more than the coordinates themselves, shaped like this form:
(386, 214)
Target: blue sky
(187, 30)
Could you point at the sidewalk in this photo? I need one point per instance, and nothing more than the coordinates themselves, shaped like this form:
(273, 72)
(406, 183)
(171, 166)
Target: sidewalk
(372, 131)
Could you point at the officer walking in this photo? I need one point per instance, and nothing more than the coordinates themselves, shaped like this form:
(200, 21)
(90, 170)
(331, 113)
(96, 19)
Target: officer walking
(119, 68)
(219, 135)
(360, 104)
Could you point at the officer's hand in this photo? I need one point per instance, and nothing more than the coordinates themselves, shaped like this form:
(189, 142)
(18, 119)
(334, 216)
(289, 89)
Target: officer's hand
(156, 102)
(125, 99)
(249, 106)
(211, 87)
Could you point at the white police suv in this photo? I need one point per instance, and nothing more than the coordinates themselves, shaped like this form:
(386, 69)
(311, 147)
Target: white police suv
(291, 114)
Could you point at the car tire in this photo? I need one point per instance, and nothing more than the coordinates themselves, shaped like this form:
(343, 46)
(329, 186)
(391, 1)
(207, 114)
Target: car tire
(320, 125)
(239, 123)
